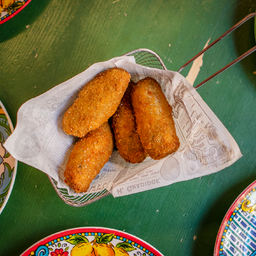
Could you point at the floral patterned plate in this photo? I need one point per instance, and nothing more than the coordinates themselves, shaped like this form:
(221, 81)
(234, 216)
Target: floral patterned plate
(91, 241)
(8, 165)
(237, 233)
(9, 8)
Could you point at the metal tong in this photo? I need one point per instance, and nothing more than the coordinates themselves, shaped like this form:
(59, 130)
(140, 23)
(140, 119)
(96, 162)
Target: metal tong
(217, 40)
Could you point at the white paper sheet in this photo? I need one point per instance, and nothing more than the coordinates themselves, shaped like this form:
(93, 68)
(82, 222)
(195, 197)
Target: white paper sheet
(206, 146)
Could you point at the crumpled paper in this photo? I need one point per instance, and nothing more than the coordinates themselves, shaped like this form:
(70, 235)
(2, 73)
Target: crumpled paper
(206, 146)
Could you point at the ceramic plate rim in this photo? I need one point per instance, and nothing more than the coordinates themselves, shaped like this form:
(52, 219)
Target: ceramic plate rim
(91, 229)
(15, 166)
(227, 216)
(16, 12)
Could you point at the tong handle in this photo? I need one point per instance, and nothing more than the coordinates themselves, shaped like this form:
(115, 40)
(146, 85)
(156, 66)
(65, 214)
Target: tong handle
(217, 40)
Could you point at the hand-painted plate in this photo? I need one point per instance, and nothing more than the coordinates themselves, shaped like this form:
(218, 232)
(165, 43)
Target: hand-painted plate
(88, 240)
(8, 165)
(237, 233)
(9, 8)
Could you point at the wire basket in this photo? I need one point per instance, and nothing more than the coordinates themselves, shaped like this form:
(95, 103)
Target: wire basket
(148, 58)
(142, 57)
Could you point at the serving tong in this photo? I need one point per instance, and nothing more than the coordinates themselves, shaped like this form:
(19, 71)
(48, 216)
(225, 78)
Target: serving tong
(251, 15)
(149, 58)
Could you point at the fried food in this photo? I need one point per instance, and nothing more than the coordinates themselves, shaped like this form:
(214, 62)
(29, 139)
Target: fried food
(124, 127)
(153, 114)
(96, 102)
(88, 157)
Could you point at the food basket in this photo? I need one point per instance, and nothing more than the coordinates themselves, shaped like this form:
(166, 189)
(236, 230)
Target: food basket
(148, 58)
(143, 57)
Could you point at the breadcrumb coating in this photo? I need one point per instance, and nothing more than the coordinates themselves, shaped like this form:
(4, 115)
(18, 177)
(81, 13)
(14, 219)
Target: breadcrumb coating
(88, 157)
(154, 120)
(124, 127)
(96, 103)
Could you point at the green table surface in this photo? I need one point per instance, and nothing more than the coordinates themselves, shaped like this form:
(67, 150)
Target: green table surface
(51, 41)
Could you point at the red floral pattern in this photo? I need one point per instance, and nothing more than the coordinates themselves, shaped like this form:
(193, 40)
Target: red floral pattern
(59, 252)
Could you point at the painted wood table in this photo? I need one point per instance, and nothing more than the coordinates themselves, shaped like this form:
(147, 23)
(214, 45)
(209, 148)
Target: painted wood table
(49, 42)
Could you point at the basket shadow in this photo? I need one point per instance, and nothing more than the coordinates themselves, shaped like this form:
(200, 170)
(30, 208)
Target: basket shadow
(18, 23)
(246, 32)
(210, 224)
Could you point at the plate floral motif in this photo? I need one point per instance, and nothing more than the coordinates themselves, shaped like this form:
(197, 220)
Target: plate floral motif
(8, 165)
(91, 241)
(9, 8)
(237, 233)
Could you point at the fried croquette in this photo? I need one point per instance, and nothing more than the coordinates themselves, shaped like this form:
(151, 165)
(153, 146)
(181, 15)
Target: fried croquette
(96, 103)
(88, 157)
(124, 127)
(154, 121)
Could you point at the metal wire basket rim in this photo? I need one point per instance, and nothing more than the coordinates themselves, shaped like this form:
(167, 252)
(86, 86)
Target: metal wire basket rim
(146, 50)
(74, 204)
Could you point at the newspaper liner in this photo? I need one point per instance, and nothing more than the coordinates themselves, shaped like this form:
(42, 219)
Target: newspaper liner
(206, 146)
